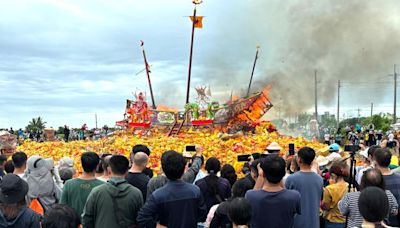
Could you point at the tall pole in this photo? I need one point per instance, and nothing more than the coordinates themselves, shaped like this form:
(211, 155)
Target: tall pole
(153, 104)
(338, 105)
(252, 72)
(395, 94)
(316, 95)
(95, 116)
(191, 55)
(372, 108)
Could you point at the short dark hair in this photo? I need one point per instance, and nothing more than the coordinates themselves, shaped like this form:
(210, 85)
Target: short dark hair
(307, 155)
(9, 166)
(229, 173)
(119, 164)
(19, 159)
(3, 158)
(372, 177)
(213, 165)
(373, 204)
(61, 216)
(173, 164)
(240, 188)
(274, 168)
(372, 149)
(90, 161)
(254, 164)
(382, 156)
(140, 148)
(239, 211)
(100, 167)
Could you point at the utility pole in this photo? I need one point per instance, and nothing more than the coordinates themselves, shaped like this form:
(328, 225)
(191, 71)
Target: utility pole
(395, 94)
(338, 105)
(95, 116)
(372, 108)
(316, 98)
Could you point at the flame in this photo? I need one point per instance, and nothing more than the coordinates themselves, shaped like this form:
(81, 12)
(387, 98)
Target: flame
(164, 108)
(259, 107)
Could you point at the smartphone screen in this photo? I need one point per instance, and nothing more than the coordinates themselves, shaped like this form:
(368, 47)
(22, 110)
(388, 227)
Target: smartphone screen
(190, 148)
(243, 158)
(291, 148)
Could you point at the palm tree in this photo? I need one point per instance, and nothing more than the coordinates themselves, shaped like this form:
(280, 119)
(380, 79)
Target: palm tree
(36, 124)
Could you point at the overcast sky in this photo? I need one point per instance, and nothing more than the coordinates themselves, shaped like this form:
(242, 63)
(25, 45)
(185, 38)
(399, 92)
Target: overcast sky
(67, 60)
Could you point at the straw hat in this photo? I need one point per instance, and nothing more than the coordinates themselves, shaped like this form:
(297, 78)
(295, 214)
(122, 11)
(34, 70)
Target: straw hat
(322, 161)
(274, 146)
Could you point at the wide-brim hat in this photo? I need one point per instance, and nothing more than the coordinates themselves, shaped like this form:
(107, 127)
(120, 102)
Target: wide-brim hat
(274, 146)
(322, 161)
(12, 189)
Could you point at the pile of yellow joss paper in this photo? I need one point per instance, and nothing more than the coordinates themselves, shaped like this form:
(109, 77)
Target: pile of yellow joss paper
(214, 144)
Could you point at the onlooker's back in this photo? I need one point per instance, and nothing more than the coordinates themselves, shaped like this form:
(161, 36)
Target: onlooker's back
(116, 203)
(135, 176)
(61, 216)
(177, 204)
(310, 186)
(382, 159)
(273, 206)
(76, 191)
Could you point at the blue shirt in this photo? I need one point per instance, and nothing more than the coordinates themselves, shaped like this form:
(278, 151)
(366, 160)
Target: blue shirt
(177, 204)
(392, 183)
(310, 187)
(273, 209)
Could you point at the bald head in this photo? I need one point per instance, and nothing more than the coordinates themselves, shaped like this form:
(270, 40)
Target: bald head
(140, 159)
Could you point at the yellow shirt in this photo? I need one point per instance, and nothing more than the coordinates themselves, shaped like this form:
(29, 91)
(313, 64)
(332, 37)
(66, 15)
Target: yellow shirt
(332, 195)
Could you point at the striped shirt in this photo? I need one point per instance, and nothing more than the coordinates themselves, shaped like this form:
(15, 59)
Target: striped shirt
(349, 206)
(392, 183)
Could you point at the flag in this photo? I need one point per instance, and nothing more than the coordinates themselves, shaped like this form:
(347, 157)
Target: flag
(199, 21)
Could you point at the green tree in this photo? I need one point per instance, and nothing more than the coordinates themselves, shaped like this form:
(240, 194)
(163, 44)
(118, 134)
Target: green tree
(381, 121)
(304, 119)
(36, 124)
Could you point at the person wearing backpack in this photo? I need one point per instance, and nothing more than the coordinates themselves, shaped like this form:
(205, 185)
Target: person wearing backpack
(116, 203)
(42, 187)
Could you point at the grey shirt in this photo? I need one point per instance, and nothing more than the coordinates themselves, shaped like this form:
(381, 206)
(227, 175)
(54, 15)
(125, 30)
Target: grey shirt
(310, 186)
(160, 180)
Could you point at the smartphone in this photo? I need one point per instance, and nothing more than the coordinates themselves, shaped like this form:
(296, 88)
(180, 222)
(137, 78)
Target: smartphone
(291, 148)
(352, 148)
(243, 157)
(190, 148)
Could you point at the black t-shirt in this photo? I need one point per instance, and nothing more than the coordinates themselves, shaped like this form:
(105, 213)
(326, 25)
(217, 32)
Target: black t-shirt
(139, 180)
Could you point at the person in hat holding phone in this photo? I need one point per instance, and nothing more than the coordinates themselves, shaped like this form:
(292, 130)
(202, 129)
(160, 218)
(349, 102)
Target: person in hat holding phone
(13, 209)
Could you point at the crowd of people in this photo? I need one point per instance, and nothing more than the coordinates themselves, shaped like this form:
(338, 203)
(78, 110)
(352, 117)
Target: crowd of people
(301, 190)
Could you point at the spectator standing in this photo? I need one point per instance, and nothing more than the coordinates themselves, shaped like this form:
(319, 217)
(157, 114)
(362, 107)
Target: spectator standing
(3, 160)
(41, 182)
(229, 173)
(76, 191)
(240, 212)
(66, 133)
(101, 169)
(161, 206)
(334, 152)
(13, 209)
(146, 150)
(214, 189)
(349, 204)
(368, 159)
(135, 176)
(310, 186)
(272, 205)
(188, 176)
(374, 207)
(115, 203)
(61, 216)
(19, 160)
(382, 159)
(218, 215)
(333, 193)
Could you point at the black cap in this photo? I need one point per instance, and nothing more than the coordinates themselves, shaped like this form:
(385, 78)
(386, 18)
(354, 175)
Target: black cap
(12, 189)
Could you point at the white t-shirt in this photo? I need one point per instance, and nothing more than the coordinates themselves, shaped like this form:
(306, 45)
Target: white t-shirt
(332, 156)
(327, 137)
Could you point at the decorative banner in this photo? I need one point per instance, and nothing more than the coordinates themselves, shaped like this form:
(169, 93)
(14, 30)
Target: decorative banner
(199, 21)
